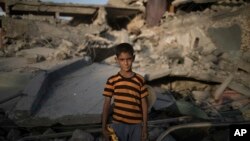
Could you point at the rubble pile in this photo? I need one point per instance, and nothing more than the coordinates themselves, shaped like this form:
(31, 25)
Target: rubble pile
(204, 45)
(199, 61)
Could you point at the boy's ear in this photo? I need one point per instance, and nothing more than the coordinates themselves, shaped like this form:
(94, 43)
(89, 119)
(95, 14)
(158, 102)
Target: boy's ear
(116, 59)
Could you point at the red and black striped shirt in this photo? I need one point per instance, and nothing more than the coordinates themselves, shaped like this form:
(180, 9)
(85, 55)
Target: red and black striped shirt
(127, 94)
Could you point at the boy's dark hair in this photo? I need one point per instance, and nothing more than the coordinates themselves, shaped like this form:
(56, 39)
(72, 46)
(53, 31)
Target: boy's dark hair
(124, 47)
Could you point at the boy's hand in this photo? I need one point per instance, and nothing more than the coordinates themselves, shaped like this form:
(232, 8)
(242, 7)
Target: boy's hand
(144, 136)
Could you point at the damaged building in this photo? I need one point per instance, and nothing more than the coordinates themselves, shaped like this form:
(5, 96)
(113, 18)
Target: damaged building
(56, 57)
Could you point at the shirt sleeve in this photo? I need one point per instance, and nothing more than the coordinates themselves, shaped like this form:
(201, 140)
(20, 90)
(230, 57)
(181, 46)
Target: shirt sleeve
(109, 89)
(144, 90)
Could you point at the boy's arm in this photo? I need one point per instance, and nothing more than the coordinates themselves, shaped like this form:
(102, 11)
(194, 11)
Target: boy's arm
(145, 117)
(105, 114)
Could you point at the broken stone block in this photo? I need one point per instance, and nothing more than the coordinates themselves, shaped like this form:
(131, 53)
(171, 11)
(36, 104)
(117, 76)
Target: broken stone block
(14, 135)
(225, 66)
(19, 45)
(199, 96)
(188, 63)
(36, 58)
(134, 27)
(101, 17)
(59, 55)
(79, 135)
(66, 43)
(122, 36)
(137, 47)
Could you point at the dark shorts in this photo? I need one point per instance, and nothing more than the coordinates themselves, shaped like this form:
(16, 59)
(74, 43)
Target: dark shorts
(127, 132)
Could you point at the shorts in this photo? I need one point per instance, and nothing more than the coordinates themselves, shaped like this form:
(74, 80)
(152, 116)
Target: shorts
(127, 132)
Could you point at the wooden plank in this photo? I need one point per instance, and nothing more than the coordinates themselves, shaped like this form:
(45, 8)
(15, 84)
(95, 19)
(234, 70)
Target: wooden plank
(222, 87)
(53, 8)
(239, 88)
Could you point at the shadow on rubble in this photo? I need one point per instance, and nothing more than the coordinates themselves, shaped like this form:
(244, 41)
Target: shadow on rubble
(170, 79)
(100, 54)
(190, 7)
(79, 19)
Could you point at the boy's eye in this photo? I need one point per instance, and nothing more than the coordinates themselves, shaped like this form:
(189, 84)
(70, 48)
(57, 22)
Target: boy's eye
(122, 59)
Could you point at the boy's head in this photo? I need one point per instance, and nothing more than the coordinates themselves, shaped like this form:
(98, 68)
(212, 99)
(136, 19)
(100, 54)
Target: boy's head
(125, 56)
(124, 47)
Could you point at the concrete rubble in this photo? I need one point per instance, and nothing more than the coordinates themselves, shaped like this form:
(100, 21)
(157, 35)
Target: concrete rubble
(193, 61)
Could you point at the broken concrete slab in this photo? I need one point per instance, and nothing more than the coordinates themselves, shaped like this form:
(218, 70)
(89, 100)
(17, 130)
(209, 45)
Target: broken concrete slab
(226, 38)
(77, 97)
(113, 9)
(25, 106)
(38, 87)
(163, 101)
(60, 8)
(11, 84)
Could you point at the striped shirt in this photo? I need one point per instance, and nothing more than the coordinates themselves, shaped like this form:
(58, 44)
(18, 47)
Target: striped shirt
(127, 94)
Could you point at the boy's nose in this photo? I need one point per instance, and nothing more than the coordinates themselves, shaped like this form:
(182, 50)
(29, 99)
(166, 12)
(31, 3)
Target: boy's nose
(126, 62)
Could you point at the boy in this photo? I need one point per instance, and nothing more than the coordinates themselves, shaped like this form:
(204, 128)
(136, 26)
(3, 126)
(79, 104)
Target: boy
(129, 118)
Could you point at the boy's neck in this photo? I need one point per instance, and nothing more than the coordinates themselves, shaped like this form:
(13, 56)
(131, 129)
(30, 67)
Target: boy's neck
(126, 74)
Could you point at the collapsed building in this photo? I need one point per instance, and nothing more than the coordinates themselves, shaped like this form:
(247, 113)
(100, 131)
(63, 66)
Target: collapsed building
(194, 55)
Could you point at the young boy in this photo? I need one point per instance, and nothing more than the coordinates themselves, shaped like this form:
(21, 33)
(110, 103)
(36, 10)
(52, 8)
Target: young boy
(129, 118)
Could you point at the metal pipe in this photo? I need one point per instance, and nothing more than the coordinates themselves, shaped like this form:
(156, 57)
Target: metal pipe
(195, 125)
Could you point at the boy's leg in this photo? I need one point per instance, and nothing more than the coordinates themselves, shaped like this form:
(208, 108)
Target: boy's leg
(135, 132)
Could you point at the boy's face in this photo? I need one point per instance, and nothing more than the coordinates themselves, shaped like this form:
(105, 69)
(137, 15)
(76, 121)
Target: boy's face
(125, 61)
